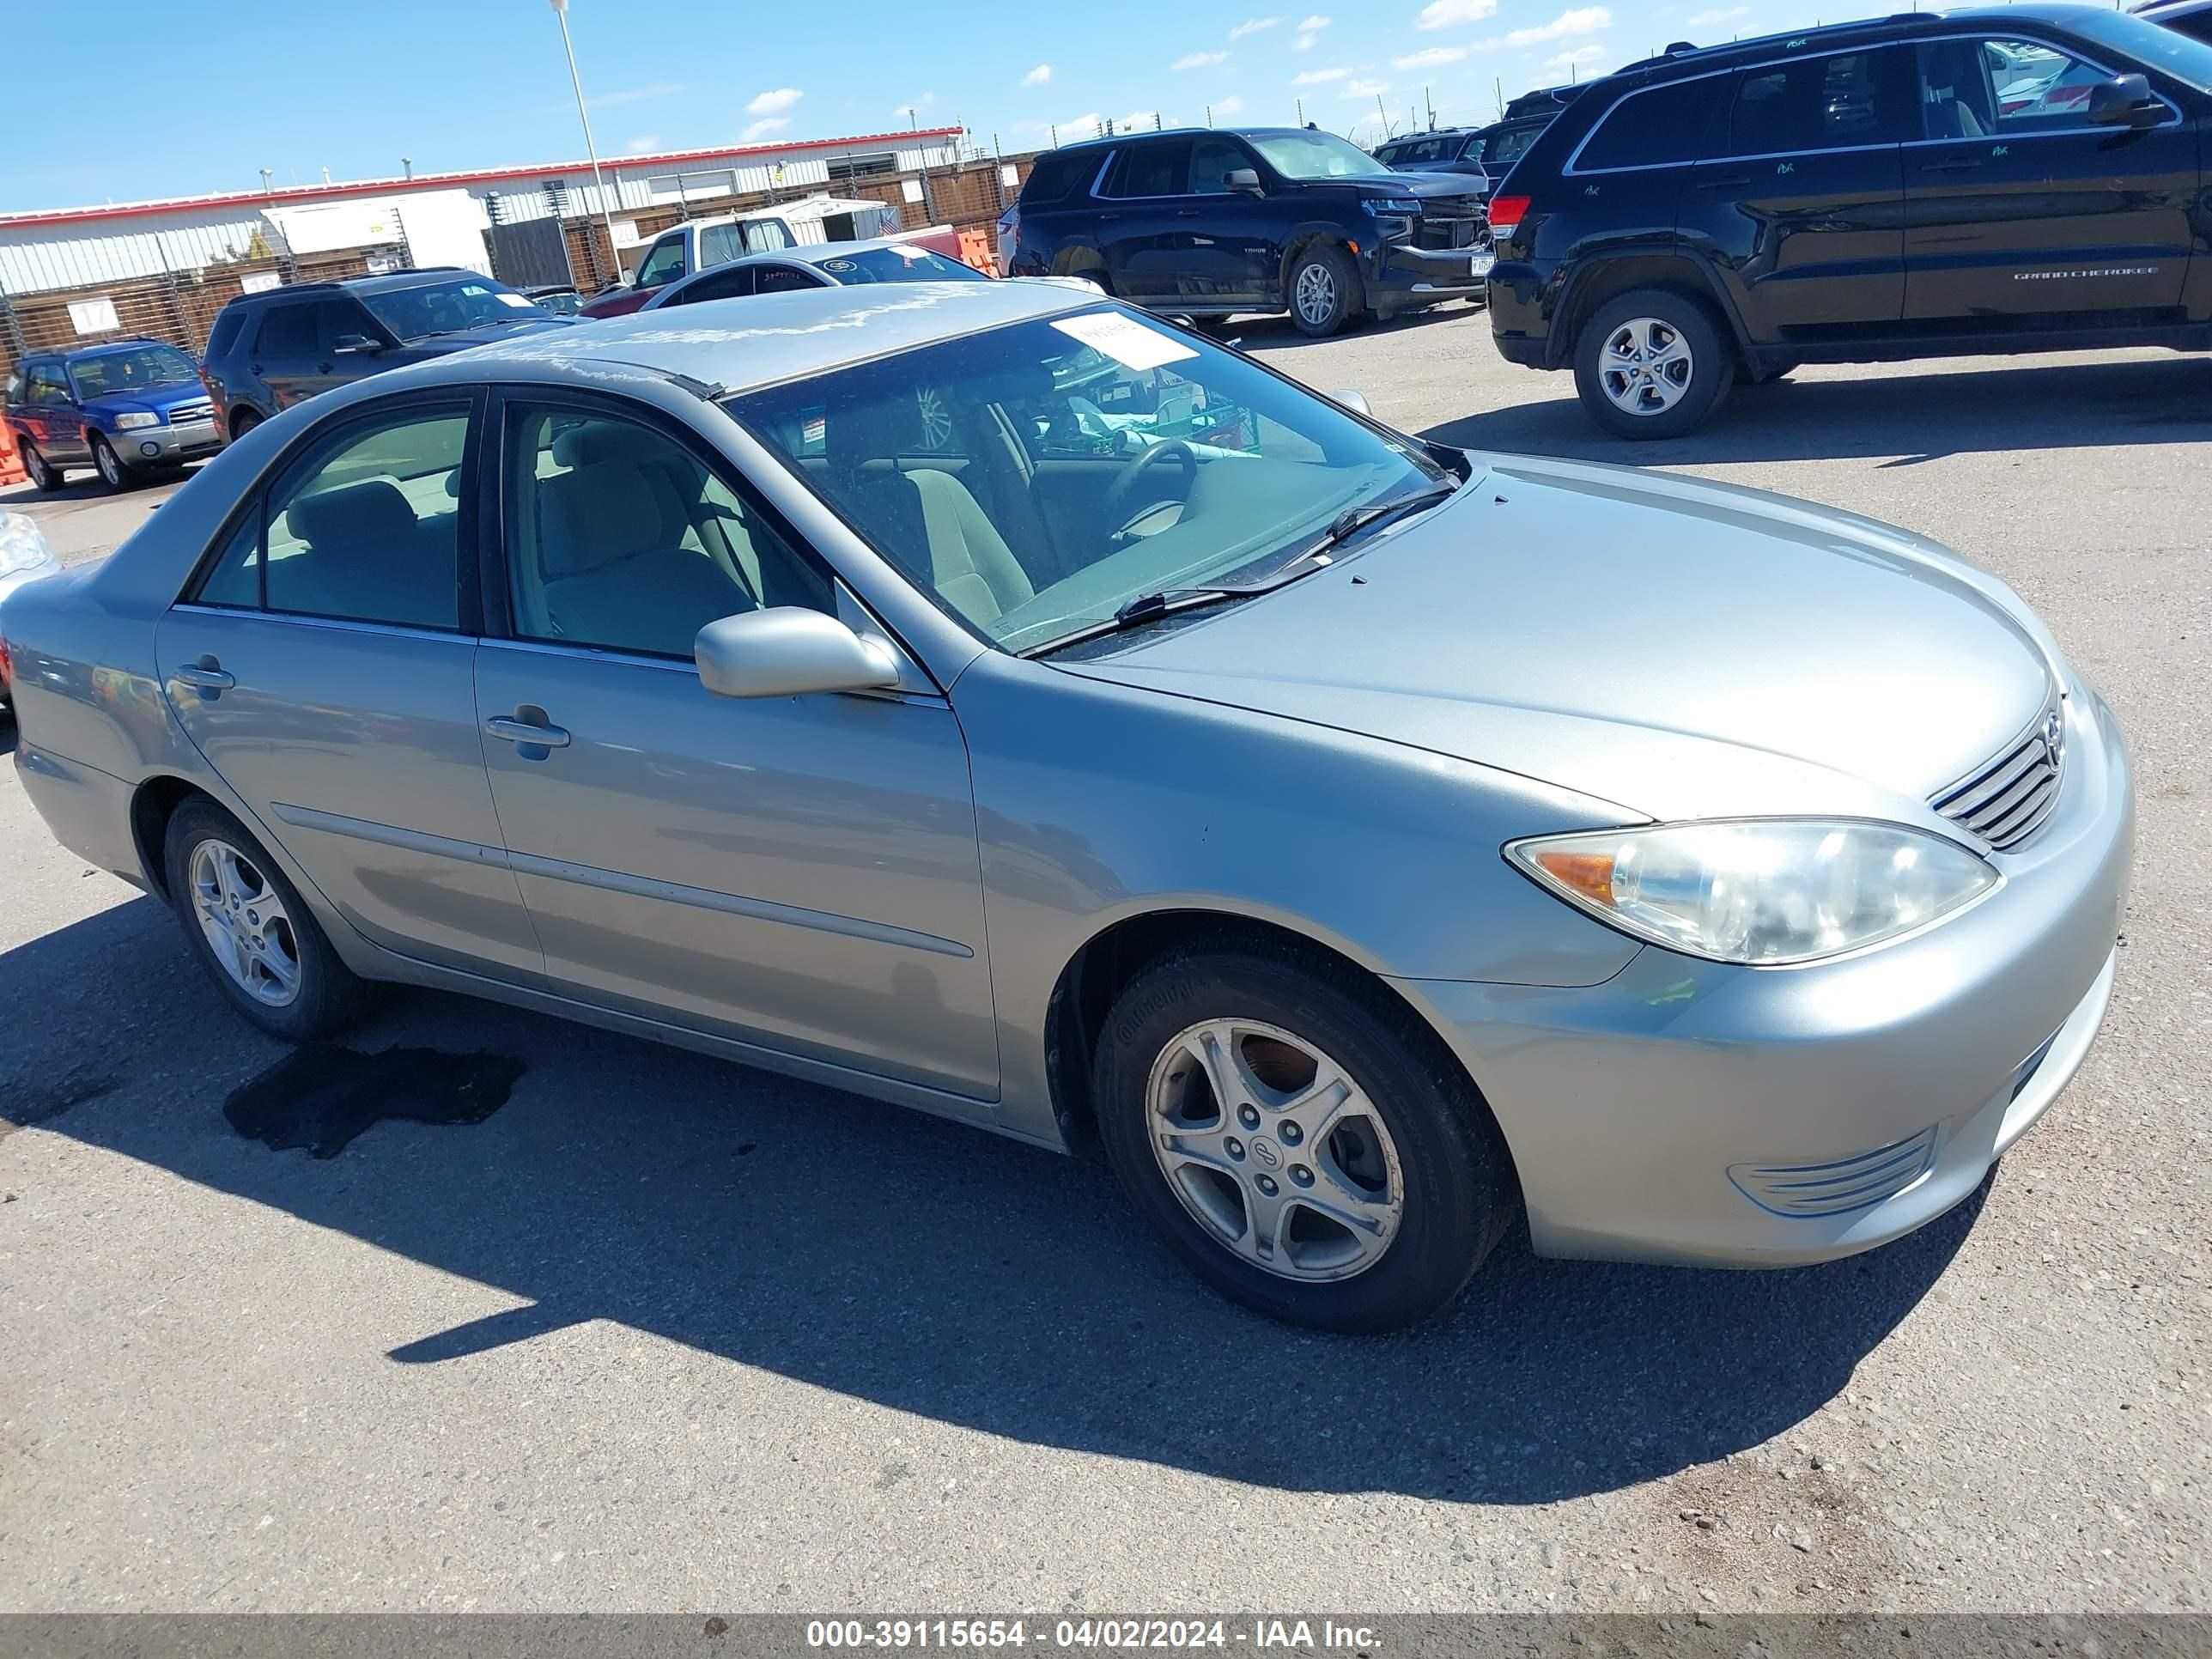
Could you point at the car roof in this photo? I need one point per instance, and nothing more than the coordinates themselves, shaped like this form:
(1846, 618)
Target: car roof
(740, 344)
(813, 253)
(1112, 139)
(1694, 60)
(391, 281)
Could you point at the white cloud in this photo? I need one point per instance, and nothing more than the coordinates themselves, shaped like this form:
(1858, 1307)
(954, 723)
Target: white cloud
(644, 144)
(1037, 77)
(634, 95)
(1366, 88)
(1434, 58)
(1717, 16)
(1309, 32)
(1582, 19)
(774, 103)
(762, 129)
(1580, 59)
(1233, 105)
(1452, 14)
(1319, 78)
(1253, 26)
(1191, 60)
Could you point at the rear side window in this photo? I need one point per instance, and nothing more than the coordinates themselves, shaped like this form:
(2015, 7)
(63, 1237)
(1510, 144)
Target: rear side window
(228, 324)
(288, 332)
(1159, 168)
(1059, 173)
(719, 244)
(1822, 103)
(1657, 127)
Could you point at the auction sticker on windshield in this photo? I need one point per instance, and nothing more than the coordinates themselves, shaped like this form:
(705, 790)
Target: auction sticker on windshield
(1125, 340)
(519, 301)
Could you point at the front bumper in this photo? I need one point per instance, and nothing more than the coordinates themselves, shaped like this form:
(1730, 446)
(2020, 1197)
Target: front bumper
(1662, 1115)
(1401, 276)
(159, 446)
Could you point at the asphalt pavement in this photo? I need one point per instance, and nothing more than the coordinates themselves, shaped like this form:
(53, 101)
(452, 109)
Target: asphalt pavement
(660, 1333)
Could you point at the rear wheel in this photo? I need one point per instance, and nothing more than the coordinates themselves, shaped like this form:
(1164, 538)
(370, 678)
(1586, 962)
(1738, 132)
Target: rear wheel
(45, 476)
(1324, 291)
(1304, 1148)
(113, 474)
(1650, 364)
(252, 931)
(243, 422)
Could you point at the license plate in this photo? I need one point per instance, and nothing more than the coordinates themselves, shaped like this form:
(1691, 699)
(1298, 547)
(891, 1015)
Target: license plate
(1482, 265)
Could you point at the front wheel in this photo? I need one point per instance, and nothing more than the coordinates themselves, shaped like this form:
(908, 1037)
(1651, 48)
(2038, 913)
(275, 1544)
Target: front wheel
(1650, 364)
(250, 928)
(1305, 1148)
(1324, 291)
(45, 476)
(113, 473)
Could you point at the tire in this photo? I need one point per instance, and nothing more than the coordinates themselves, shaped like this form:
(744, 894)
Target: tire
(1438, 1151)
(1648, 397)
(243, 422)
(114, 476)
(1323, 291)
(45, 476)
(325, 995)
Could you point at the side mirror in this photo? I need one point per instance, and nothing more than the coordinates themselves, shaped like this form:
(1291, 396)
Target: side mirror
(1353, 399)
(2125, 102)
(348, 344)
(788, 651)
(1245, 182)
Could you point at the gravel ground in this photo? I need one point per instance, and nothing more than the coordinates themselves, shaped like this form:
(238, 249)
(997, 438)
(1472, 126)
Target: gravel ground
(665, 1333)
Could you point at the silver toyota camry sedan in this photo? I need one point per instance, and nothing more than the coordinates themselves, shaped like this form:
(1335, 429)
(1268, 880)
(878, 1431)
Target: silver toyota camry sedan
(988, 698)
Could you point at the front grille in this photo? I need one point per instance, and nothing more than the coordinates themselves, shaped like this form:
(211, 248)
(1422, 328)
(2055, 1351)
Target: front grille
(192, 414)
(1449, 222)
(2008, 799)
(1839, 1185)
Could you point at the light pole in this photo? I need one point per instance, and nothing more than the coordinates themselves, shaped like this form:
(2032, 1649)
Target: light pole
(561, 11)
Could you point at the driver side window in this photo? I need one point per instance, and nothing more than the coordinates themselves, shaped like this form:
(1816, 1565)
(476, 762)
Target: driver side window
(663, 263)
(618, 537)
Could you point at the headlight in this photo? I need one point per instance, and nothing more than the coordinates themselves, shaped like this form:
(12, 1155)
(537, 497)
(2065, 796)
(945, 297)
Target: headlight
(1759, 891)
(132, 422)
(1402, 206)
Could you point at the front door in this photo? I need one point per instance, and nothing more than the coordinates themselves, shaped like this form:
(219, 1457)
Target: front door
(1224, 237)
(799, 872)
(1144, 233)
(2017, 207)
(293, 353)
(325, 668)
(1805, 192)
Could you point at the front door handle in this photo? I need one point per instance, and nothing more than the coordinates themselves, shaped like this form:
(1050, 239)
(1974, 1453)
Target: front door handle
(1966, 164)
(207, 675)
(510, 730)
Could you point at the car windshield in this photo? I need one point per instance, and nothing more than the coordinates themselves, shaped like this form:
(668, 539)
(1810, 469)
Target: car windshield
(2151, 44)
(1037, 477)
(139, 369)
(414, 313)
(898, 265)
(1315, 155)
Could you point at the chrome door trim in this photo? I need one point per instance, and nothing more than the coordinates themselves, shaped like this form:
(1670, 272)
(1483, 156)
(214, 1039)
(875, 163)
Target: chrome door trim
(340, 624)
(387, 834)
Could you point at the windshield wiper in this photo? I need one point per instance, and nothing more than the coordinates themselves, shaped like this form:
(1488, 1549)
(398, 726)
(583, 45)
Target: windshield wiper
(1353, 520)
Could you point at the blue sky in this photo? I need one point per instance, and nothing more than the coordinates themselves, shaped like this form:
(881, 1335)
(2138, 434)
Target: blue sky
(181, 98)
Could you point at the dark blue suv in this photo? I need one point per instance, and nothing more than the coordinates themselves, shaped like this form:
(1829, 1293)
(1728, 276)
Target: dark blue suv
(123, 408)
(1207, 223)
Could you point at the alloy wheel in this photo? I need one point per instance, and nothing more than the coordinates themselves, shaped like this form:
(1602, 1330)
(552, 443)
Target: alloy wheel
(111, 468)
(1646, 366)
(1274, 1150)
(1316, 295)
(245, 923)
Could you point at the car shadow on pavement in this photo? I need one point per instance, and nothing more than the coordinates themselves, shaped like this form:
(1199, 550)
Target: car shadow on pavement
(926, 1267)
(1907, 420)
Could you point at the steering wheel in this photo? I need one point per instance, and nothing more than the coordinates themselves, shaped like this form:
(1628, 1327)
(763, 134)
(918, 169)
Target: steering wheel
(1114, 507)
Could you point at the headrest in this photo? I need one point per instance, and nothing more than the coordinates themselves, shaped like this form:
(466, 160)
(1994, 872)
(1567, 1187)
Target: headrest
(595, 442)
(597, 516)
(352, 515)
(858, 430)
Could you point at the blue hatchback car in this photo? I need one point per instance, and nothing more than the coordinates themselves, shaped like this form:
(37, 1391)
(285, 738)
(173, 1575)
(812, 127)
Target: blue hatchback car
(123, 408)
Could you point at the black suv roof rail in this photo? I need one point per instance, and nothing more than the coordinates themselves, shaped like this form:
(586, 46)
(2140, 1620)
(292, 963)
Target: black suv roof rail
(1681, 51)
(339, 284)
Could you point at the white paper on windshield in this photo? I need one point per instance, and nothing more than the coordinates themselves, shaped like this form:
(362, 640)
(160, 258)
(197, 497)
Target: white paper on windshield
(904, 252)
(1125, 340)
(520, 301)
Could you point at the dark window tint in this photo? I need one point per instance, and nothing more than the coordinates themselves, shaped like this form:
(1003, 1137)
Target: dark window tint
(1655, 127)
(1058, 174)
(619, 537)
(48, 384)
(287, 333)
(1502, 149)
(236, 579)
(1211, 162)
(717, 285)
(1821, 103)
(1435, 146)
(1160, 167)
(225, 336)
(2198, 27)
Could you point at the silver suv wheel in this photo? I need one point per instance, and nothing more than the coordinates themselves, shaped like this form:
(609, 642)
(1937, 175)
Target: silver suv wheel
(1646, 366)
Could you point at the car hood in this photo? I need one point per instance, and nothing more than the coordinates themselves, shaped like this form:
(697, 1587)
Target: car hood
(1420, 185)
(1682, 649)
(153, 399)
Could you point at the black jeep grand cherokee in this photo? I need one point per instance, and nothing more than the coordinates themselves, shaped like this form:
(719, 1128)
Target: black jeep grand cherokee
(2024, 178)
(1208, 223)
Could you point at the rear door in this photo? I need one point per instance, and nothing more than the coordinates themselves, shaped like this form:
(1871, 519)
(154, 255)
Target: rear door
(55, 425)
(291, 355)
(2017, 207)
(1805, 190)
(324, 665)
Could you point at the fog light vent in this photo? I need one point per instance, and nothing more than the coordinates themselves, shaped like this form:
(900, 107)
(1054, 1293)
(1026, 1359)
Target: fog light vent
(1837, 1186)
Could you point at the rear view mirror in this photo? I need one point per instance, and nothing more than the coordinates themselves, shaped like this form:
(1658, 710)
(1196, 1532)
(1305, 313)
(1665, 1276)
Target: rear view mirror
(1245, 180)
(2125, 102)
(788, 651)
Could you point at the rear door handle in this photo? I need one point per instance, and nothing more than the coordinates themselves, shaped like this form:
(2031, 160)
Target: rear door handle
(1965, 164)
(510, 730)
(1724, 184)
